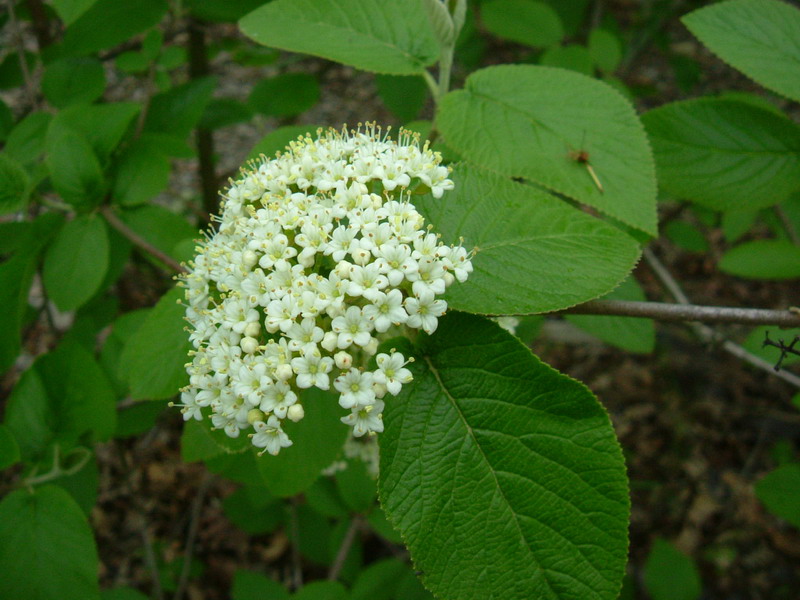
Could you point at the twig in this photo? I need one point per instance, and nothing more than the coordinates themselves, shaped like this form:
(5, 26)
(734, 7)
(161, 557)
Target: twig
(30, 89)
(344, 548)
(665, 311)
(150, 561)
(139, 241)
(704, 332)
(194, 520)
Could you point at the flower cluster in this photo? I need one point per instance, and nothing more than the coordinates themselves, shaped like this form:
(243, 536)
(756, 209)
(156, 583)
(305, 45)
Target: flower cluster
(318, 256)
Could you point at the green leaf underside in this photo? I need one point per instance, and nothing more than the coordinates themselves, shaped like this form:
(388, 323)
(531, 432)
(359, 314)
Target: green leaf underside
(46, 547)
(758, 37)
(536, 253)
(503, 476)
(763, 259)
(383, 37)
(527, 121)
(632, 334)
(724, 154)
(76, 262)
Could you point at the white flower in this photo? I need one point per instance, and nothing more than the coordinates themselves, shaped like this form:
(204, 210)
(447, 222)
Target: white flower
(277, 399)
(355, 388)
(270, 436)
(353, 328)
(392, 372)
(424, 310)
(386, 310)
(312, 369)
(365, 419)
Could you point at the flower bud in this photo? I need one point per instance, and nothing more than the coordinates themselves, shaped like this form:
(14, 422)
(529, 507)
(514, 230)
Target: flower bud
(249, 344)
(295, 412)
(249, 258)
(343, 360)
(252, 329)
(283, 372)
(329, 341)
(255, 415)
(372, 347)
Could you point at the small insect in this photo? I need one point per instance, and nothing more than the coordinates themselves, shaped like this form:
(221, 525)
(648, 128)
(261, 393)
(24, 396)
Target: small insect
(582, 157)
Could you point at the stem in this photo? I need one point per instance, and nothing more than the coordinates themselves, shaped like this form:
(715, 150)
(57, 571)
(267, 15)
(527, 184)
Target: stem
(197, 505)
(445, 67)
(30, 88)
(664, 311)
(344, 549)
(294, 530)
(787, 224)
(704, 332)
(432, 85)
(139, 241)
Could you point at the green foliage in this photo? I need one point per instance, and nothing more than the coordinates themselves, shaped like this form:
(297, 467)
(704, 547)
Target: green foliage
(9, 449)
(285, 95)
(248, 585)
(76, 262)
(724, 154)
(521, 459)
(669, 574)
(404, 96)
(382, 37)
(763, 259)
(16, 184)
(152, 361)
(525, 121)
(605, 49)
(177, 111)
(573, 57)
(74, 168)
(578, 257)
(142, 171)
(779, 491)
(524, 21)
(73, 81)
(758, 37)
(47, 544)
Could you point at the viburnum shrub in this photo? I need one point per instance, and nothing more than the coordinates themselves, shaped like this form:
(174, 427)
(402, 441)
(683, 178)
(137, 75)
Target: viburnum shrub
(318, 256)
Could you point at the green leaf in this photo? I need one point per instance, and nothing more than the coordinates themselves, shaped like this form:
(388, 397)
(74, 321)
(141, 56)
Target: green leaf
(384, 37)
(724, 154)
(251, 519)
(197, 443)
(321, 590)
(76, 262)
(758, 37)
(153, 360)
(573, 57)
(108, 23)
(735, 223)
(669, 574)
(16, 185)
(404, 96)
(123, 593)
(83, 485)
(248, 585)
(138, 419)
(520, 459)
(73, 81)
(763, 259)
(631, 334)
(74, 168)
(527, 121)
(103, 125)
(162, 228)
(356, 487)
(317, 440)
(324, 497)
(122, 330)
(278, 140)
(47, 544)
(285, 95)
(314, 536)
(9, 449)
(523, 21)
(605, 49)
(26, 142)
(222, 112)
(379, 580)
(442, 23)
(535, 252)
(222, 10)
(178, 110)
(779, 490)
(6, 120)
(69, 10)
(142, 172)
(685, 235)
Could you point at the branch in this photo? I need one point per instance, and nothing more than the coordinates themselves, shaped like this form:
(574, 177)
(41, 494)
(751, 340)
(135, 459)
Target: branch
(139, 241)
(665, 311)
(344, 548)
(194, 521)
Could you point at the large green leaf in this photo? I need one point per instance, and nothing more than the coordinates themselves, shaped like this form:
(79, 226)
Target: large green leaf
(532, 122)
(178, 110)
(16, 185)
(763, 259)
(103, 125)
(70, 10)
(383, 37)
(153, 359)
(73, 80)
(76, 262)
(724, 154)
(74, 168)
(779, 490)
(142, 172)
(758, 37)
(163, 228)
(46, 547)
(317, 441)
(285, 95)
(26, 141)
(535, 253)
(671, 575)
(503, 476)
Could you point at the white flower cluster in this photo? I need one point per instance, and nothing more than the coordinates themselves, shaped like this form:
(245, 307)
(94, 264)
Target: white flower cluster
(319, 255)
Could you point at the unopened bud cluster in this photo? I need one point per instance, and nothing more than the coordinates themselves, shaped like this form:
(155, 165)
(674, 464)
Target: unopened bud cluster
(319, 254)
